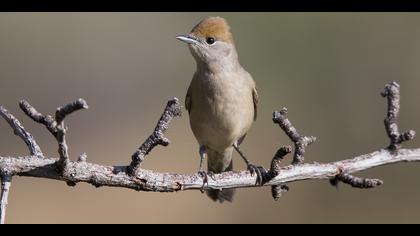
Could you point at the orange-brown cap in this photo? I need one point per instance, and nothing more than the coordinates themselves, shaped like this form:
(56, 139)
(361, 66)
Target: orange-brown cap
(215, 27)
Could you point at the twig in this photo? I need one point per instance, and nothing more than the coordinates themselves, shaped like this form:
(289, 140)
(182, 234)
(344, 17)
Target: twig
(392, 93)
(134, 177)
(20, 131)
(356, 182)
(56, 126)
(301, 142)
(34, 150)
(278, 190)
(172, 109)
(6, 182)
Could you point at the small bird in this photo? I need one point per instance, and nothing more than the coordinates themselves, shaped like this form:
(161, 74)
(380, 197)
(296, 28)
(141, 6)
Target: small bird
(221, 100)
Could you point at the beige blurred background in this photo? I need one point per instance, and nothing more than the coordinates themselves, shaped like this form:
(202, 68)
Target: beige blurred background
(327, 68)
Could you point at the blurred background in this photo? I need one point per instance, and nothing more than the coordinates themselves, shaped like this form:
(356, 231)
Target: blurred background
(326, 68)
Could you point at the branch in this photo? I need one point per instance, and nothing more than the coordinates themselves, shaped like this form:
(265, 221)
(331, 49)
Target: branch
(6, 182)
(137, 178)
(355, 182)
(56, 126)
(173, 109)
(20, 131)
(148, 180)
(301, 142)
(392, 93)
(34, 149)
(275, 169)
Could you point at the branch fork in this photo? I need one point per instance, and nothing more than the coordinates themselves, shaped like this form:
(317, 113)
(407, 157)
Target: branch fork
(392, 93)
(56, 126)
(134, 177)
(172, 109)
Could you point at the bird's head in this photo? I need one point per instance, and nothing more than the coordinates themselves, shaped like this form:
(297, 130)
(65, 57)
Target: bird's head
(211, 42)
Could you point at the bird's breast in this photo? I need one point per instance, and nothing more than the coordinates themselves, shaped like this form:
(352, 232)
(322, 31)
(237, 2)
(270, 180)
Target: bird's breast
(222, 109)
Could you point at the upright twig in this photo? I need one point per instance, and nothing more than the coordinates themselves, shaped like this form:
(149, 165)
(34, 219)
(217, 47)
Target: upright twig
(300, 141)
(56, 126)
(392, 93)
(172, 109)
(134, 177)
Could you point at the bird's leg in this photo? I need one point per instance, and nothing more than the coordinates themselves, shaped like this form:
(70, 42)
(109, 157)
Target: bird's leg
(259, 170)
(201, 171)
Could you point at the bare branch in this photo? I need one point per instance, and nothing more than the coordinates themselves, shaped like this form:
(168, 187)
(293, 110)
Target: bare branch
(301, 142)
(36, 116)
(147, 180)
(56, 126)
(356, 182)
(63, 111)
(20, 131)
(134, 177)
(278, 190)
(6, 182)
(34, 150)
(392, 93)
(172, 109)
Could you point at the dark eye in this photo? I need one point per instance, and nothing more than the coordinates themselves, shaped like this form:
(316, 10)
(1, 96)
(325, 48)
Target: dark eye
(210, 40)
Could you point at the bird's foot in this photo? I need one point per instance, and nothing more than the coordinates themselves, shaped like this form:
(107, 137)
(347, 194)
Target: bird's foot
(205, 176)
(260, 171)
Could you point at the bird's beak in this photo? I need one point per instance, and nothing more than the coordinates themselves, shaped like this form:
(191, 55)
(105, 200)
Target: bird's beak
(187, 39)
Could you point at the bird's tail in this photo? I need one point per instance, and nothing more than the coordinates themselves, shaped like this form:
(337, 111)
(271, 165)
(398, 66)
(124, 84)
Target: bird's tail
(217, 163)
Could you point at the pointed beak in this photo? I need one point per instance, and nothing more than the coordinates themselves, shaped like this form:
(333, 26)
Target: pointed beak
(187, 39)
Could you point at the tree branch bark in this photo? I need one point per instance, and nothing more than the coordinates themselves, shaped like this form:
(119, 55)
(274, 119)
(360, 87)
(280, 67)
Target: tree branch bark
(34, 149)
(148, 180)
(134, 177)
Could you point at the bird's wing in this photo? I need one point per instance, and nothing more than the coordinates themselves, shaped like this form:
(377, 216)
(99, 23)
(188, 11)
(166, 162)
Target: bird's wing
(255, 99)
(188, 100)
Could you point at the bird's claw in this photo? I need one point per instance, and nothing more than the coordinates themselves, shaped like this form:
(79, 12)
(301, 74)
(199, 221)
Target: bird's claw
(204, 175)
(260, 171)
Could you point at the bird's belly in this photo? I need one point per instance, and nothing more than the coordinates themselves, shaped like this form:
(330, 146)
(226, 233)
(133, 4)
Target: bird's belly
(221, 120)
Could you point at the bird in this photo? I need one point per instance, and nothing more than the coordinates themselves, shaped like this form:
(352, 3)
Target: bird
(221, 101)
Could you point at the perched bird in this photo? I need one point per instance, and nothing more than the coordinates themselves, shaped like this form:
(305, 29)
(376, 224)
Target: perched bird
(221, 100)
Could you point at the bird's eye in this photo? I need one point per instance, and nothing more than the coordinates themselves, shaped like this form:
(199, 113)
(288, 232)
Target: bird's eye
(210, 40)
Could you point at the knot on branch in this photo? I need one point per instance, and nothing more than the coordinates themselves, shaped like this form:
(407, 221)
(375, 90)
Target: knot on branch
(301, 142)
(172, 109)
(82, 157)
(392, 93)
